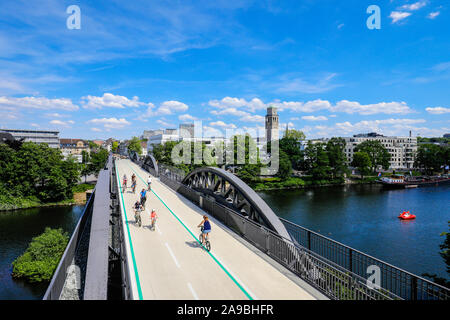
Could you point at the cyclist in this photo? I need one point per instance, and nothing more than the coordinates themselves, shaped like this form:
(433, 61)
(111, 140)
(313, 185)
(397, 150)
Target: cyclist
(137, 210)
(133, 178)
(153, 217)
(143, 197)
(206, 227)
(149, 182)
(133, 186)
(124, 180)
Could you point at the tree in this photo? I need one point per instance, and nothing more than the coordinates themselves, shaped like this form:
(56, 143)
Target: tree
(135, 145)
(39, 261)
(285, 166)
(431, 157)
(361, 160)
(317, 162)
(114, 146)
(98, 160)
(378, 154)
(291, 147)
(295, 134)
(336, 155)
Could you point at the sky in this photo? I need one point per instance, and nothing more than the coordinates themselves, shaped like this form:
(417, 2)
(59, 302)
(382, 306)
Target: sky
(140, 65)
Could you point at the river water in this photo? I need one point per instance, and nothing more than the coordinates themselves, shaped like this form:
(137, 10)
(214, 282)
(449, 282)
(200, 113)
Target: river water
(17, 228)
(365, 217)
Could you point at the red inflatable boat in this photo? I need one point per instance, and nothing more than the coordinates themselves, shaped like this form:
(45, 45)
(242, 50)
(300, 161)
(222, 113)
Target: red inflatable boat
(405, 215)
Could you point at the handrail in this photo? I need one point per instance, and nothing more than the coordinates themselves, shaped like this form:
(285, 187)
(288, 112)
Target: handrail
(59, 276)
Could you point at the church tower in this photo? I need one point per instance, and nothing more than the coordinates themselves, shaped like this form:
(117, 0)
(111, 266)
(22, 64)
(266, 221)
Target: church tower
(271, 124)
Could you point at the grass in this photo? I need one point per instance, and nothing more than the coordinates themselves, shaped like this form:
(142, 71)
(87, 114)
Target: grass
(83, 187)
(13, 203)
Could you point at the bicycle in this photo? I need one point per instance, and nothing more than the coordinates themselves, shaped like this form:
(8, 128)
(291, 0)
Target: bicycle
(206, 242)
(153, 225)
(133, 186)
(137, 217)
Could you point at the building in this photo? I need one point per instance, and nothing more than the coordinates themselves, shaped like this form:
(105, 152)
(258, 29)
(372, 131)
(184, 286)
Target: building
(272, 124)
(170, 131)
(186, 130)
(402, 149)
(161, 139)
(37, 136)
(149, 133)
(447, 135)
(74, 148)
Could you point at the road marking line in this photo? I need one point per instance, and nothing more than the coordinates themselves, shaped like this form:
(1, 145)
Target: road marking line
(129, 235)
(173, 256)
(196, 239)
(193, 291)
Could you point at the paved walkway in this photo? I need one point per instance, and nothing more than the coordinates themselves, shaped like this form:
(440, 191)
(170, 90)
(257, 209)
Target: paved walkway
(169, 263)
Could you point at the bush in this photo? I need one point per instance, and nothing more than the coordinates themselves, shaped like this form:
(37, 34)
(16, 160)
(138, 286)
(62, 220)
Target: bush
(39, 261)
(83, 187)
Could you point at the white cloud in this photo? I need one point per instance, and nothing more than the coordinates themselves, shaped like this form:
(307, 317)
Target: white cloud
(229, 102)
(96, 129)
(222, 125)
(253, 118)
(62, 123)
(230, 111)
(164, 123)
(413, 6)
(438, 110)
(40, 103)
(110, 123)
(314, 118)
(296, 106)
(433, 15)
(109, 100)
(368, 109)
(166, 108)
(186, 117)
(397, 16)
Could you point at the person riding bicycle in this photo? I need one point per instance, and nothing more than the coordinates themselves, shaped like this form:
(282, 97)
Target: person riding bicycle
(143, 197)
(153, 217)
(133, 178)
(206, 227)
(133, 186)
(125, 180)
(149, 182)
(137, 211)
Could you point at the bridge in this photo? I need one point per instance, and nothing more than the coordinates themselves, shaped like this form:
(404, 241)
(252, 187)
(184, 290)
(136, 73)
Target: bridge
(254, 254)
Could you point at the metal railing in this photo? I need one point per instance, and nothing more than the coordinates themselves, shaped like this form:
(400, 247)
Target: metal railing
(56, 285)
(398, 281)
(338, 271)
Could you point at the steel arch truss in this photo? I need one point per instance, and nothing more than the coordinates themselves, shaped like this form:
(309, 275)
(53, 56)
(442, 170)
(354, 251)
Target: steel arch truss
(150, 163)
(232, 192)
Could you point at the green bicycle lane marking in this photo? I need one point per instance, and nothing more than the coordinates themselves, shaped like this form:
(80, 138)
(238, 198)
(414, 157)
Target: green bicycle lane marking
(190, 232)
(129, 238)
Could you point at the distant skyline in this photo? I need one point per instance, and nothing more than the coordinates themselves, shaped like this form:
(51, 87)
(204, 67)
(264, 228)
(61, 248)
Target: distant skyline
(142, 65)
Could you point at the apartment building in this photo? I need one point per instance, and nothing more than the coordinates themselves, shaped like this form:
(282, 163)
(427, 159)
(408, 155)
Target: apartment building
(37, 136)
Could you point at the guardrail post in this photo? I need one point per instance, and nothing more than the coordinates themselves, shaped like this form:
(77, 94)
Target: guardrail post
(350, 260)
(267, 242)
(413, 288)
(309, 240)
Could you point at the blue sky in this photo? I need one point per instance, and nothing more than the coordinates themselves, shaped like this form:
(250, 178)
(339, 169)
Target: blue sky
(138, 65)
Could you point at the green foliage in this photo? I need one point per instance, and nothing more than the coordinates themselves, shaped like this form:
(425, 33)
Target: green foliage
(361, 160)
(336, 155)
(294, 134)
(431, 157)
(83, 187)
(285, 166)
(98, 160)
(115, 145)
(318, 163)
(39, 261)
(378, 154)
(36, 170)
(291, 147)
(135, 145)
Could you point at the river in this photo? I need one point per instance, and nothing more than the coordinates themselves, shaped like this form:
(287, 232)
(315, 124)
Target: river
(365, 217)
(17, 228)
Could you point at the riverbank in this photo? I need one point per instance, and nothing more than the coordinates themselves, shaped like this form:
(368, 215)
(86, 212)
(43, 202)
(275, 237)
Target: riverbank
(306, 182)
(8, 203)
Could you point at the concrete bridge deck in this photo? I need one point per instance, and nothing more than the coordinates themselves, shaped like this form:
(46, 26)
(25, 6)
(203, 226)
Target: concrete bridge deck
(169, 263)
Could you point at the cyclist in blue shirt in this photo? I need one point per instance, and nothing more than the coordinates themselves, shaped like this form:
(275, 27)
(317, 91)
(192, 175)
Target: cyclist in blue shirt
(206, 227)
(143, 197)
